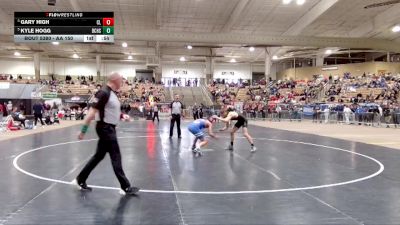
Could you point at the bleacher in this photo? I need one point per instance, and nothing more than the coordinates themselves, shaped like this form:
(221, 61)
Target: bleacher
(223, 91)
(198, 95)
(75, 89)
(185, 93)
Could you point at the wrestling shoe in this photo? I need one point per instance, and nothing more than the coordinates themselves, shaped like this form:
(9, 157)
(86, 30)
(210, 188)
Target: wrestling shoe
(197, 152)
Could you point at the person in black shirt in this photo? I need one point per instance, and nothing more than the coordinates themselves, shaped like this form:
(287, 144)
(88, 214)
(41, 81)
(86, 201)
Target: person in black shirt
(22, 108)
(5, 113)
(106, 107)
(195, 111)
(38, 112)
(200, 109)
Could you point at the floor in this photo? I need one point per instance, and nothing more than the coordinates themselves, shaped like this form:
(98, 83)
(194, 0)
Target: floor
(381, 136)
(293, 178)
(39, 129)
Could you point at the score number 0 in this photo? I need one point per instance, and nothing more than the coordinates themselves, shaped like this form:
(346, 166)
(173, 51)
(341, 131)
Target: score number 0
(108, 22)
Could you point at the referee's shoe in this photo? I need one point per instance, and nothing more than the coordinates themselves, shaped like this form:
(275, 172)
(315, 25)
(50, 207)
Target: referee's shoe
(82, 186)
(129, 191)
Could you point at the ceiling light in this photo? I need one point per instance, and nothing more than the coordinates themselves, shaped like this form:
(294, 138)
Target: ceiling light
(232, 60)
(189, 47)
(252, 49)
(286, 2)
(182, 59)
(55, 43)
(130, 57)
(124, 44)
(17, 53)
(300, 2)
(275, 57)
(75, 56)
(396, 29)
(328, 52)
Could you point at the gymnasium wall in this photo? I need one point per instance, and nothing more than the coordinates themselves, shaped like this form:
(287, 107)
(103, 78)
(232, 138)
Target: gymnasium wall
(68, 67)
(25, 67)
(184, 70)
(260, 68)
(232, 71)
(356, 69)
(17, 67)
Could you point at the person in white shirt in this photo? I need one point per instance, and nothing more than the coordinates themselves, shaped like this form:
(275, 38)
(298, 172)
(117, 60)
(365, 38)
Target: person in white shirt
(326, 114)
(278, 112)
(347, 112)
(155, 113)
(9, 107)
(176, 114)
(380, 114)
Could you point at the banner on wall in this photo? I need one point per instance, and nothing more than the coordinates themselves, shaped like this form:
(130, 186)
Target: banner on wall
(232, 72)
(180, 72)
(308, 110)
(51, 102)
(49, 95)
(189, 71)
(330, 68)
(36, 95)
(77, 99)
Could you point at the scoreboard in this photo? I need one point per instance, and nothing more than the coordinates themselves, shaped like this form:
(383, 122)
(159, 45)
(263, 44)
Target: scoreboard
(95, 27)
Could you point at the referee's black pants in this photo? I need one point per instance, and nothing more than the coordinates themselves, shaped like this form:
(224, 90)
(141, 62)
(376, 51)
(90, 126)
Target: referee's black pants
(38, 116)
(155, 114)
(107, 144)
(195, 115)
(175, 118)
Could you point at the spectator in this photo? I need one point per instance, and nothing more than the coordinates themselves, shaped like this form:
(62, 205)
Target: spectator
(339, 110)
(326, 114)
(379, 115)
(68, 114)
(79, 114)
(19, 117)
(200, 109)
(5, 111)
(316, 114)
(195, 111)
(9, 107)
(347, 113)
(359, 114)
(1, 112)
(22, 108)
(387, 113)
(38, 112)
(279, 112)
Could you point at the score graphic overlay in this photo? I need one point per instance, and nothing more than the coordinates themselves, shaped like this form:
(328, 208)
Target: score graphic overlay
(95, 27)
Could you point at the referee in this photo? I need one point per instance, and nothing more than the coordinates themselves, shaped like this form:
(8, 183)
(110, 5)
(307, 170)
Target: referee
(176, 112)
(106, 109)
(155, 113)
